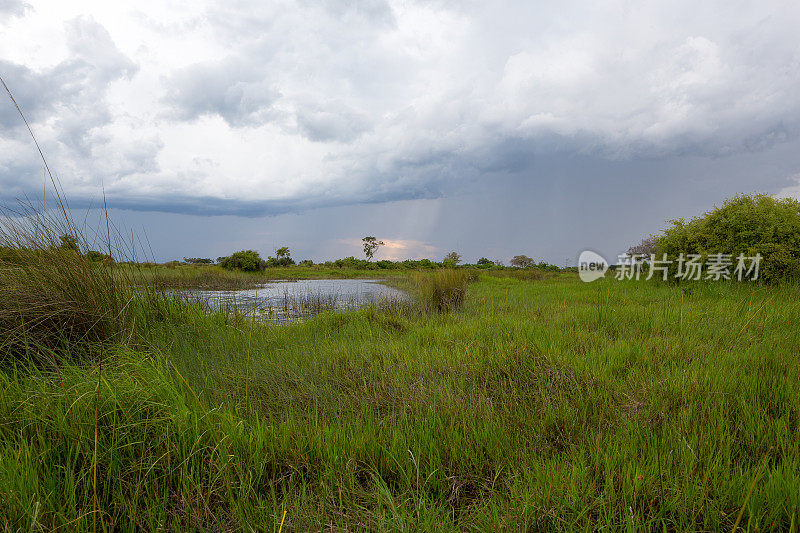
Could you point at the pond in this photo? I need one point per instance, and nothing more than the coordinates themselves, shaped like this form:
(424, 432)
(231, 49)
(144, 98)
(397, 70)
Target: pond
(282, 300)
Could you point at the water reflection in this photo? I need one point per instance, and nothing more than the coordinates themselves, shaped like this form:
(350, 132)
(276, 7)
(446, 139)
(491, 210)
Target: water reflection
(279, 301)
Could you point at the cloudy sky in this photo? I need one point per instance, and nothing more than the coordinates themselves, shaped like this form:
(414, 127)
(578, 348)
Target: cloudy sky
(491, 128)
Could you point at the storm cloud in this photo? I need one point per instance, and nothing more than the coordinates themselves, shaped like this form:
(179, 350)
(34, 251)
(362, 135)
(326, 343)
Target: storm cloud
(254, 108)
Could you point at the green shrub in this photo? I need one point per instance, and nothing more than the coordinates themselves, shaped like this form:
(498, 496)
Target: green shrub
(352, 262)
(386, 264)
(99, 257)
(745, 224)
(198, 260)
(244, 260)
(283, 258)
(273, 262)
(484, 262)
(422, 263)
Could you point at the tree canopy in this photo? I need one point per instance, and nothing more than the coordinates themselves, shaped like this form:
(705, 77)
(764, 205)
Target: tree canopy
(371, 245)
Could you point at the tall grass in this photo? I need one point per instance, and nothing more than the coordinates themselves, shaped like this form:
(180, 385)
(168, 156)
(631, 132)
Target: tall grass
(51, 295)
(548, 405)
(441, 291)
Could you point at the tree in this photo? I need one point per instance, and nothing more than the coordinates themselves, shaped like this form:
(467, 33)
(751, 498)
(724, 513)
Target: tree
(246, 260)
(282, 258)
(452, 259)
(197, 260)
(484, 262)
(645, 248)
(522, 261)
(371, 245)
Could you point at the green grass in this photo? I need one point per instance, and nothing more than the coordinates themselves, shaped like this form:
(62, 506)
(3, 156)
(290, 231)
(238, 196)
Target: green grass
(541, 404)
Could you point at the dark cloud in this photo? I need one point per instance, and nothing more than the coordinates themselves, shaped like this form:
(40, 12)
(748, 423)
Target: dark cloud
(34, 92)
(356, 102)
(551, 212)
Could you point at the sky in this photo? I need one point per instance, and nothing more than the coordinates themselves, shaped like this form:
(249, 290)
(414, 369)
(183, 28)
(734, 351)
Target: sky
(488, 128)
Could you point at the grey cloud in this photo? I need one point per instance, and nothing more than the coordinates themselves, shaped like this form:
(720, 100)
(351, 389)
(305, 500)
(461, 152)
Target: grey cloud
(336, 122)
(230, 89)
(427, 100)
(83, 83)
(13, 8)
(95, 52)
(550, 214)
(373, 11)
(66, 105)
(77, 85)
(34, 92)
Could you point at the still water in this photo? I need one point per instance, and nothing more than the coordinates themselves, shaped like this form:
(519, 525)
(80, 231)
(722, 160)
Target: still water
(279, 301)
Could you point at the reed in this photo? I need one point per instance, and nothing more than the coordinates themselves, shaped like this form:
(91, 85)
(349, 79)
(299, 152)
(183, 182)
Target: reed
(52, 295)
(441, 291)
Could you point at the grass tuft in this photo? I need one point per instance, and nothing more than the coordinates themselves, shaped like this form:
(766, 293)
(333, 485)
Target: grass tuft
(53, 297)
(441, 291)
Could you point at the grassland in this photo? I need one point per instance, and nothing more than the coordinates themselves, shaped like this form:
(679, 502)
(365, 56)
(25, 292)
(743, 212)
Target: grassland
(549, 405)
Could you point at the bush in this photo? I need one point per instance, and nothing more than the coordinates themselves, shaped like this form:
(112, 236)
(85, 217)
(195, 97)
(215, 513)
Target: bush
(273, 262)
(415, 265)
(483, 262)
(352, 262)
(442, 291)
(543, 265)
(386, 264)
(283, 258)
(198, 260)
(99, 257)
(749, 225)
(244, 260)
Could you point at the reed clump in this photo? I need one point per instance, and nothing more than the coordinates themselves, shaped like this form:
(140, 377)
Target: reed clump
(442, 291)
(54, 297)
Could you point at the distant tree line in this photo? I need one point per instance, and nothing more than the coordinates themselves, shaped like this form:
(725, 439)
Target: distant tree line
(198, 260)
(251, 261)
